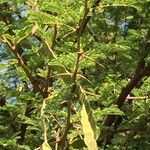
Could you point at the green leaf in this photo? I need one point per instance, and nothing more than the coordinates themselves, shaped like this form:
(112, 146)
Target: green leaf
(67, 60)
(78, 144)
(3, 1)
(43, 18)
(23, 33)
(51, 6)
(42, 73)
(113, 110)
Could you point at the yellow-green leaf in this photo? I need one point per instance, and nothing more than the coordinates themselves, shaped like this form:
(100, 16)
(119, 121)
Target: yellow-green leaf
(89, 138)
(45, 146)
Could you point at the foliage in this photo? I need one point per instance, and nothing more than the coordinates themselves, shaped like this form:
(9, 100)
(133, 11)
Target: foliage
(74, 74)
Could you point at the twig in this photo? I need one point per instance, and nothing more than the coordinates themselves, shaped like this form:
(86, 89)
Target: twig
(79, 30)
(47, 80)
(89, 93)
(52, 52)
(45, 128)
(18, 57)
(57, 138)
(136, 98)
(54, 36)
(93, 60)
(56, 120)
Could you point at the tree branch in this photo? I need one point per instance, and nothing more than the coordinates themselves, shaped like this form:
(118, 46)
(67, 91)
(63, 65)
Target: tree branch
(140, 73)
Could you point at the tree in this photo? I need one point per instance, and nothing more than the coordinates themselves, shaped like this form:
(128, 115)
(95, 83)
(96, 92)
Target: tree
(74, 74)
